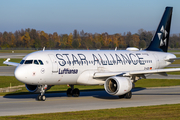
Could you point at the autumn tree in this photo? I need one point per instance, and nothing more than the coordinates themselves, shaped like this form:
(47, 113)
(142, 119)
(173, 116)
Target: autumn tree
(44, 39)
(64, 41)
(142, 44)
(31, 38)
(70, 40)
(76, 38)
(13, 41)
(56, 39)
(26, 40)
(122, 42)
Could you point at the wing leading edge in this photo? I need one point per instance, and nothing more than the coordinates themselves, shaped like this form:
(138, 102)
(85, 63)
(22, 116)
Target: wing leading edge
(130, 73)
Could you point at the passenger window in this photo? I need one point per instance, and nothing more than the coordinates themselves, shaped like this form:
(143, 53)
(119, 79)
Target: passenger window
(40, 62)
(28, 62)
(22, 62)
(36, 62)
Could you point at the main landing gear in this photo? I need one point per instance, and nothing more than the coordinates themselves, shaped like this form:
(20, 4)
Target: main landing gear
(127, 95)
(73, 92)
(42, 97)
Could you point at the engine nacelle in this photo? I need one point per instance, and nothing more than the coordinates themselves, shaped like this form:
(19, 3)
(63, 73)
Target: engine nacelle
(35, 88)
(118, 85)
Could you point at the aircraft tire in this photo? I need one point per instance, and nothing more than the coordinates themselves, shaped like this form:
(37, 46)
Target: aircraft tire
(76, 92)
(39, 97)
(43, 98)
(122, 96)
(69, 92)
(128, 95)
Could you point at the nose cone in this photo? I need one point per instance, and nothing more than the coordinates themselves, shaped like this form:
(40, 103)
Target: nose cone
(20, 74)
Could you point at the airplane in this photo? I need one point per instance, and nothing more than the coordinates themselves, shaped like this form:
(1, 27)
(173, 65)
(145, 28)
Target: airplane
(117, 70)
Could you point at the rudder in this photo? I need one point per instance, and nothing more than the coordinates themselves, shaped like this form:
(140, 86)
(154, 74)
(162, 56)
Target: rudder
(160, 40)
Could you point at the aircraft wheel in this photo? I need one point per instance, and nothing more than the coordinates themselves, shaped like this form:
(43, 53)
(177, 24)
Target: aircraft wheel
(76, 92)
(69, 92)
(43, 97)
(128, 95)
(39, 97)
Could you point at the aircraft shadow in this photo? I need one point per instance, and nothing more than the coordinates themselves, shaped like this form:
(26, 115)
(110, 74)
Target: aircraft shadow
(101, 94)
(105, 95)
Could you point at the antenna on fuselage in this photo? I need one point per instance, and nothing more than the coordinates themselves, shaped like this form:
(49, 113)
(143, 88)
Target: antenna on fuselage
(43, 48)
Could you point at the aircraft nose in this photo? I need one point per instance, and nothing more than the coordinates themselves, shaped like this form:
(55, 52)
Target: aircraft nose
(20, 74)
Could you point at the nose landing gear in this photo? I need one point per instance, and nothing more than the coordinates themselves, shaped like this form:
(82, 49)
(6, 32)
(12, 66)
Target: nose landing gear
(73, 92)
(42, 97)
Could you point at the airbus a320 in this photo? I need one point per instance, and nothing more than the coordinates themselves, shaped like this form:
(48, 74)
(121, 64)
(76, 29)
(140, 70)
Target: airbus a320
(117, 70)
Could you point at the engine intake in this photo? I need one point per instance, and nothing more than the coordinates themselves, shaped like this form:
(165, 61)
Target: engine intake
(35, 88)
(117, 85)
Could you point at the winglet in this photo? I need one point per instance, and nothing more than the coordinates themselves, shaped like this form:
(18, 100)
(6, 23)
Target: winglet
(7, 60)
(10, 63)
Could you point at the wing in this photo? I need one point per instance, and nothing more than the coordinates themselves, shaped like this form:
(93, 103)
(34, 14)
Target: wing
(10, 63)
(131, 73)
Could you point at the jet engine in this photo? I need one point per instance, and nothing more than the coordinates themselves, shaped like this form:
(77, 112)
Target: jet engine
(36, 88)
(118, 85)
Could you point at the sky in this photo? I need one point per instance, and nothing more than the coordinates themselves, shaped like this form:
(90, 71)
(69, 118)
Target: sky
(92, 16)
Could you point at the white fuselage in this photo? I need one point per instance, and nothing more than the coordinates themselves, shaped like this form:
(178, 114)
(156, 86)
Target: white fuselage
(78, 66)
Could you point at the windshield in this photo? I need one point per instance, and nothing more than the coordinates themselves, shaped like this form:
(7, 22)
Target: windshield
(36, 62)
(22, 62)
(40, 62)
(28, 62)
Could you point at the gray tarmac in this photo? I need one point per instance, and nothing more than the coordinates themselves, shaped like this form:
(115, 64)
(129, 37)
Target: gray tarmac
(174, 65)
(12, 55)
(7, 70)
(92, 100)
(175, 52)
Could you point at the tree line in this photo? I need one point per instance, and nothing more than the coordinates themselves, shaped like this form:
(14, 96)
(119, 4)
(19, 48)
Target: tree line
(31, 38)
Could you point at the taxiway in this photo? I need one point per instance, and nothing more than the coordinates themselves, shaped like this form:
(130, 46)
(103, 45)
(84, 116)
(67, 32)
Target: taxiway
(92, 100)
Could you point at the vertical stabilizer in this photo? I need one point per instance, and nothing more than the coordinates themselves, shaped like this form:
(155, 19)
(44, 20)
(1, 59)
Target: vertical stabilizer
(161, 38)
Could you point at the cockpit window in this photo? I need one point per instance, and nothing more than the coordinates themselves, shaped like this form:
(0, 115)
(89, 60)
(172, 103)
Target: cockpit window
(36, 62)
(40, 62)
(28, 62)
(22, 61)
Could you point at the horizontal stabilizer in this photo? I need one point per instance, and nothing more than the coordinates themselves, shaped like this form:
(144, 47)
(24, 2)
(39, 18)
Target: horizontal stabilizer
(170, 59)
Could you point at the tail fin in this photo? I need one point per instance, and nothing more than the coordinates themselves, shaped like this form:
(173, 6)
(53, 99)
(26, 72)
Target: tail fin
(161, 38)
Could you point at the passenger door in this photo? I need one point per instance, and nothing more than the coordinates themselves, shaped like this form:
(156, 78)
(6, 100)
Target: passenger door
(54, 63)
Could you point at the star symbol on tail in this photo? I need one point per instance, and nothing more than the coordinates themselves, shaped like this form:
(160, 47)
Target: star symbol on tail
(164, 33)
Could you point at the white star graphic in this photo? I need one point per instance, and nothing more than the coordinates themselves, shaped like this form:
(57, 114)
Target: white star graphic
(160, 35)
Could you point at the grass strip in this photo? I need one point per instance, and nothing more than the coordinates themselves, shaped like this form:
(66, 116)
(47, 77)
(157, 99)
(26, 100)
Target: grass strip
(159, 112)
(7, 80)
(17, 51)
(157, 82)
